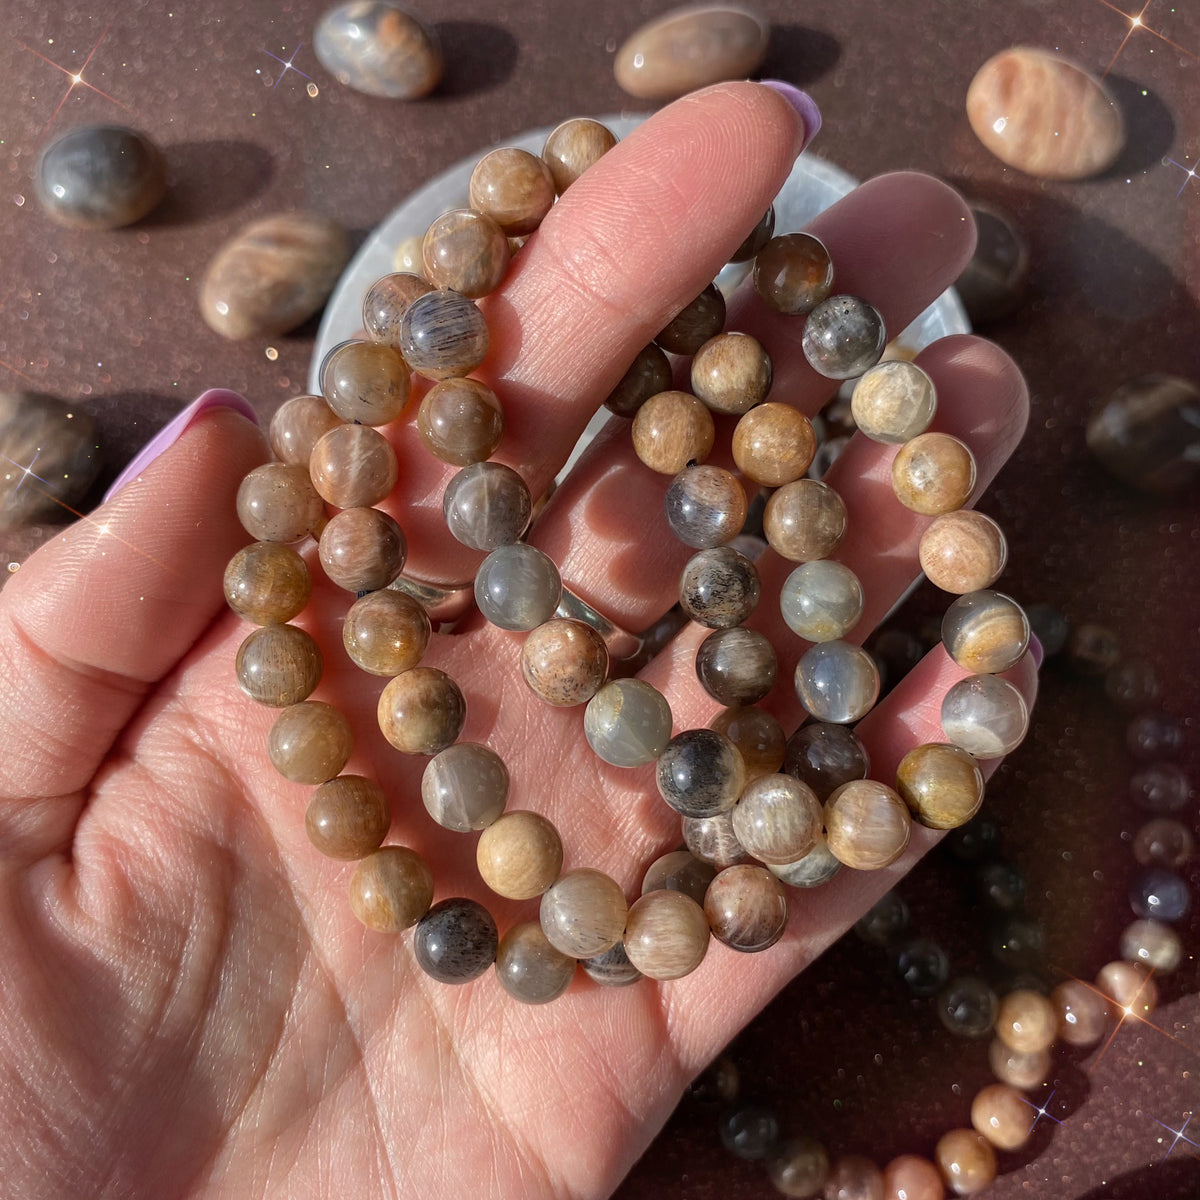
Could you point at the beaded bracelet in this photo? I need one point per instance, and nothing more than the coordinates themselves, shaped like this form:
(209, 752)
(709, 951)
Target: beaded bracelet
(801, 823)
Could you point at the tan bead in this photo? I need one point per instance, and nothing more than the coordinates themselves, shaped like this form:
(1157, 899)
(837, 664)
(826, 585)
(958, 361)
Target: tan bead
(774, 444)
(366, 382)
(1016, 1068)
(893, 402)
(1082, 1013)
(296, 426)
(529, 968)
(747, 908)
(966, 1160)
(666, 935)
(804, 520)
(933, 474)
(941, 784)
(460, 421)
(278, 503)
(515, 188)
(853, 1177)
(391, 889)
(564, 662)
(867, 825)
(267, 583)
(1129, 987)
(1026, 1021)
(353, 466)
(467, 252)
(386, 632)
(583, 913)
(671, 430)
(310, 742)
(963, 551)
(911, 1177)
(362, 549)
(278, 665)
(777, 819)
(519, 855)
(758, 736)
(731, 373)
(985, 632)
(347, 817)
(421, 711)
(1002, 1115)
(573, 147)
(798, 1168)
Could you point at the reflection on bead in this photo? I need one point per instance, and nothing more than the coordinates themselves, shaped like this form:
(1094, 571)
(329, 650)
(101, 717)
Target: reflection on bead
(1163, 842)
(705, 506)
(774, 444)
(1026, 1021)
(583, 913)
(612, 968)
(672, 429)
(465, 251)
(700, 773)
(278, 503)
(816, 868)
(391, 889)
(712, 840)
(966, 1160)
(1082, 1014)
(460, 421)
(719, 588)
(487, 505)
(933, 474)
(310, 742)
(777, 819)
(837, 682)
(911, 1177)
(894, 402)
(666, 934)
(804, 520)
(386, 632)
(985, 632)
(985, 715)
(746, 908)
(267, 583)
(793, 273)
(465, 787)
(821, 601)
(649, 374)
(443, 335)
(455, 941)
(942, 785)
(799, 1168)
(694, 324)
(347, 817)
(1152, 944)
(1160, 894)
(1130, 988)
(519, 855)
(757, 735)
(731, 373)
(736, 666)
(529, 968)
(353, 466)
(362, 549)
(564, 662)
(866, 824)
(967, 1007)
(517, 587)
(748, 1130)
(421, 711)
(574, 146)
(278, 665)
(627, 723)
(825, 756)
(962, 551)
(296, 426)
(843, 337)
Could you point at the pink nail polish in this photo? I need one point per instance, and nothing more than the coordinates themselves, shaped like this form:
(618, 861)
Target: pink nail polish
(803, 103)
(170, 433)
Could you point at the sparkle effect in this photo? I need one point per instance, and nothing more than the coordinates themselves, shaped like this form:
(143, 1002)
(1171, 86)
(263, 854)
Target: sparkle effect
(287, 66)
(1189, 173)
(1041, 1110)
(25, 472)
(1177, 1136)
(1136, 23)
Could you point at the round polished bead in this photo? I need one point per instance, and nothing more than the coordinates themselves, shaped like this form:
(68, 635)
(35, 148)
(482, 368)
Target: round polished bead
(694, 324)
(627, 723)
(774, 444)
(821, 601)
(649, 374)
(465, 787)
(985, 632)
(1163, 842)
(967, 1007)
(1130, 988)
(777, 819)
(386, 632)
(985, 715)
(1152, 944)
(911, 1177)
(966, 1160)
(1002, 1115)
(843, 337)
(1160, 788)
(815, 869)
(443, 335)
(748, 1130)
(466, 252)
(866, 825)
(564, 662)
(894, 402)
(353, 466)
(719, 587)
(460, 421)
(942, 785)
(278, 665)
(366, 382)
(421, 711)
(713, 841)
(1001, 885)
(386, 302)
(362, 549)
(793, 273)
(804, 520)
(700, 773)
(885, 921)
(1024, 1071)
(391, 889)
(933, 474)
(1154, 735)
(612, 968)
(758, 737)
(1093, 650)
(583, 913)
(671, 430)
(1081, 1014)
(267, 583)
(574, 146)
(517, 587)
(837, 682)
(679, 871)
(963, 551)
(1160, 894)
(519, 855)
(747, 908)
(705, 506)
(666, 934)
(757, 238)
(487, 505)
(731, 373)
(310, 742)
(278, 503)
(853, 1177)
(923, 966)
(529, 968)
(1026, 1021)
(799, 1168)
(347, 817)
(736, 666)
(297, 425)
(455, 941)
(514, 188)
(825, 756)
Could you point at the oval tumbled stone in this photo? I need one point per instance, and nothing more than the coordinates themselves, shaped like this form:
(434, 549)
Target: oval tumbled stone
(1044, 115)
(690, 48)
(380, 49)
(273, 275)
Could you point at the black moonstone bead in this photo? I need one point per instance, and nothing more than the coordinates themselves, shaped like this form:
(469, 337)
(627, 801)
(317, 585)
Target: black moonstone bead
(1154, 735)
(1132, 685)
(1161, 895)
(443, 335)
(736, 666)
(825, 756)
(700, 773)
(1001, 886)
(455, 941)
(923, 966)
(993, 282)
(1160, 788)
(967, 1007)
(844, 337)
(719, 588)
(748, 1130)
(885, 921)
(612, 968)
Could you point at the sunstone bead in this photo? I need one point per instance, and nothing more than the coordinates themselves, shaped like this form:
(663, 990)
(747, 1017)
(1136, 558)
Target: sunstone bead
(421, 711)
(1152, 944)
(666, 934)
(911, 1177)
(297, 425)
(347, 817)
(933, 474)
(804, 520)
(679, 871)
(736, 666)
(966, 1160)
(517, 587)
(515, 188)
(583, 913)
(821, 601)
(793, 273)
(867, 825)
(455, 941)
(700, 773)
(985, 632)
(529, 968)
(1160, 894)
(391, 889)
(612, 968)
(837, 682)
(460, 421)
(487, 505)
(894, 402)
(713, 841)
(985, 715)
(1081, 1014)
(278, 665)
(942, 785)
(1128, 985)
(774, 444)
(671, 430)
(310, 742)
(574, 146)
(564, 662)
(386, 302)
(267, 583)
(815, 869)
(758, 736)
(1001, 1114)
(705, 506)
(386, 632)
(757, 238)
(627, 723)
(695, 323)
(747, 908)
(731, 373)
(278, 503)
(353, 466)
(1026, 1021)
(719, 588)
(963, 551)
(465, 251)
(825, 756)
(1019, 1070)
(465, 787)
(443, 335)
(843, 337)
(649, 374)
(366, 382)
(519, 855)
(362, 549)
(777, 819)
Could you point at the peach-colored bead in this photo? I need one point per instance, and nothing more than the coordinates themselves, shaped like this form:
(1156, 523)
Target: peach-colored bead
(1026, 1021)
(774, 444)
(911, 1177)
(963, 551)
(1082, 1013)
(1130, 988)
(966, 1160)
(519, 855)
(867, 825)
(933, 474)
(515, 188)
(1017, 1068)
(853, 1177)
(671, 430)
(353, 466)
(1002, 1115)
(804, 520)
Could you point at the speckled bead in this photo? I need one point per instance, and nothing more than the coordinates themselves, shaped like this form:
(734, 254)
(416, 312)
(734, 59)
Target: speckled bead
(815, 869)
(942, 785)
(705, 506)
(985, 632)
(963, 551)
(529, 968)
(679, 871)
(758, 736)
(757, 238)
(804, 520)
(731, 373)
(1153, 945)
(966, 1160)
(391, 889)
(443, 335)
(386, 632)
(460, 421)
(564, 662)
(583, 913)
(296, 426)
(278, 503)
(465, 787)
(1081, 1014)
(736, 666)
(421, 711)
(933, 474)
(386, 302)
(267, 583)
(627, 723)
(574, 146)
(985, 715)
(366, 382)
(747, 908)
(517, 587)
(694, 324)
(353, 466)
(310, 742)
(455, 941)
(844, 336)
(465, 251)
(821, 600)
(278, 665)
(519, 855)
(713, 841)
(671, 430)
(666, 934)
(894, 402)
(612, 968)
(649, 374)
(825, 756)
(866, 825)
(362, 549)
(487, 505)
(514, 188)
(837, 682)
(777, 819)
(700, 773)
(347, 817)
(793, 273)
(719, 588)
(774, 444)
(1002, 1115)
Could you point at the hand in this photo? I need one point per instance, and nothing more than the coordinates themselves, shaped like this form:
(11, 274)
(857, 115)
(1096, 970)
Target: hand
(190, 1007)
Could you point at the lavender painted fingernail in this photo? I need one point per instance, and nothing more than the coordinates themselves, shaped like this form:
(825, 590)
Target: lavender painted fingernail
(170, 433)
(1036, 649)
(803, 103)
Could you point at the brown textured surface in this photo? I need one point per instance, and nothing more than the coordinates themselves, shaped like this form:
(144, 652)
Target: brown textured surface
(110, 322)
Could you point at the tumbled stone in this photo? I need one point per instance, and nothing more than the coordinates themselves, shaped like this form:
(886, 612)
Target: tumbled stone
(273, 275)
(380, 49)
(992, 284)
(1044, 115)
(100, 177)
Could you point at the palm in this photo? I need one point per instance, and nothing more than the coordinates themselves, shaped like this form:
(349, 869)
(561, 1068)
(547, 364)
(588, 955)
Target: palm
(217, 1019)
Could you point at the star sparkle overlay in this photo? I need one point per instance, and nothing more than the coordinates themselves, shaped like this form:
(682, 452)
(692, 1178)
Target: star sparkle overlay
(287, 65)
(1189, 173)
(1138, 24)
(1177, 1136)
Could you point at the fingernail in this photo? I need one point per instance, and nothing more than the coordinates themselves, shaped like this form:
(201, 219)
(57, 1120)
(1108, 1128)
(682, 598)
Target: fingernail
(170, 433)
(1037, 650)
(803, 103)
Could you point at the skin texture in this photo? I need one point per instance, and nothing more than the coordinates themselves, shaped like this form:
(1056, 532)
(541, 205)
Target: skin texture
(218, 1022)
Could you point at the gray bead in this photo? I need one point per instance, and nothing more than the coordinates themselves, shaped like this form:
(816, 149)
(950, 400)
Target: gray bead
(837, 682)
(985, 632)
(679, 871)
(487, 505)
(465, 787)
(719, 588)
(843, 337)
(700, 773)
(985, 715)
(818, 866)
(825, 756)
(821, 600)
(736, 666)
(379, 49)
(627, 723)
(517, 587)
(455, 941)
(612, 968)
(443, 335)
(706, 506)
(713, 841)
